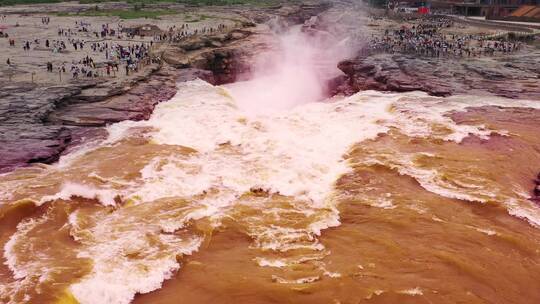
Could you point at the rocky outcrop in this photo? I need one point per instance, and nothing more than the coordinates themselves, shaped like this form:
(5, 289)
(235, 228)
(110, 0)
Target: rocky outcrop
(287, 13)
(301, 13)
(111, 104)
(536, 189)
(512, 76)
(229, 55)
(24, 136)
(38, 123)
(225, 56)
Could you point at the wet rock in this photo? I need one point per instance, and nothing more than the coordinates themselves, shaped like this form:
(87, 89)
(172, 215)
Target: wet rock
(192, 44)
(237, 35)
(298, 14)
(258, 191)
(536, 194)
(24, 137)
(176, 57)
(536, 190)
(135, 104)
(38, 123)
(192, 74)
(225, 56)
(511, 76)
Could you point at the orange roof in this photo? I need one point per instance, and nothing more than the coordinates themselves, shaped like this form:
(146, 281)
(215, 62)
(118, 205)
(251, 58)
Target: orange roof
(534, 13)
(525, 11)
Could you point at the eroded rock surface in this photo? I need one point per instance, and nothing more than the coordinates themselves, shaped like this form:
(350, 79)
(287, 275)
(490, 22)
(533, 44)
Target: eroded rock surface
(38, 123)
(24, 135)
(512, 76)
(225, 56)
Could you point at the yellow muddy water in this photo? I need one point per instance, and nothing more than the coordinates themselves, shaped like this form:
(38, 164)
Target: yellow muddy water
(414, 217)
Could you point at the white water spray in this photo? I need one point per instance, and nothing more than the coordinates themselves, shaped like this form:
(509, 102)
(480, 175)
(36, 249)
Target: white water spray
(296, 72)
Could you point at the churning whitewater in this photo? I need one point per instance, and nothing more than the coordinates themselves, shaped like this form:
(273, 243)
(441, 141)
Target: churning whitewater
(268, 191)
(203, 157)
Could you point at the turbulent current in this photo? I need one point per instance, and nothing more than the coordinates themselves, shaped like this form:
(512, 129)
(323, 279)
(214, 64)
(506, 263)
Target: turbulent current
(376, 197)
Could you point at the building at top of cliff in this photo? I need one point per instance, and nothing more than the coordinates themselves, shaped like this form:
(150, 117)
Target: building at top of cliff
(491, 9)
(512, 10)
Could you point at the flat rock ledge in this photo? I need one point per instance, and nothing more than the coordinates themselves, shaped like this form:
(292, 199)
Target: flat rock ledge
(512, 76)
(37, 124)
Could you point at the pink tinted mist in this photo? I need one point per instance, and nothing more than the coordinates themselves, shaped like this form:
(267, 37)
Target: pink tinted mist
(295, 72)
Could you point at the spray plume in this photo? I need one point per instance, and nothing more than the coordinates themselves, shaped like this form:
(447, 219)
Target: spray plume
(305, 58)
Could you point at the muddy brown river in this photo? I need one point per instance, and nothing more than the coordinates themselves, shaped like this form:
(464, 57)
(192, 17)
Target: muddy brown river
(373, 198)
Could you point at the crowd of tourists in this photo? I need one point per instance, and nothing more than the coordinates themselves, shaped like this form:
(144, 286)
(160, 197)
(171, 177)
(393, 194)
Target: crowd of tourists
(78, 37)
(427, 38)
(177, 34)
(116, 54)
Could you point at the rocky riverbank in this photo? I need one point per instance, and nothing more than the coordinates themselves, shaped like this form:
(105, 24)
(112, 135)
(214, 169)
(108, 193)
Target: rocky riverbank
(442, 56)
(39, 122)
(513, 76)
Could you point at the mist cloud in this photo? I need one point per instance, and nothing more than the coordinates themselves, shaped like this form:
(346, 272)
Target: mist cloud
(304, 60)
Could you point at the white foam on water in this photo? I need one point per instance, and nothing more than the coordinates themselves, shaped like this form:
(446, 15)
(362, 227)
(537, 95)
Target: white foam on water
(420, 115)
(174, 175)
(104, 196)
(524, 209)
(290, 261)
(279, 238)
(119, 131)
(67, 160)
(376, 292)
(5, 195)
(278, 263)
(438, 219)
(328, 273)
(489, 232)
(25, 273)
(383, 202)
(297, 152)
(132, 254)
(482, 191)
(118, 285)
(10, 250)
(417, 291)
(331, 219)
(305, 280)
